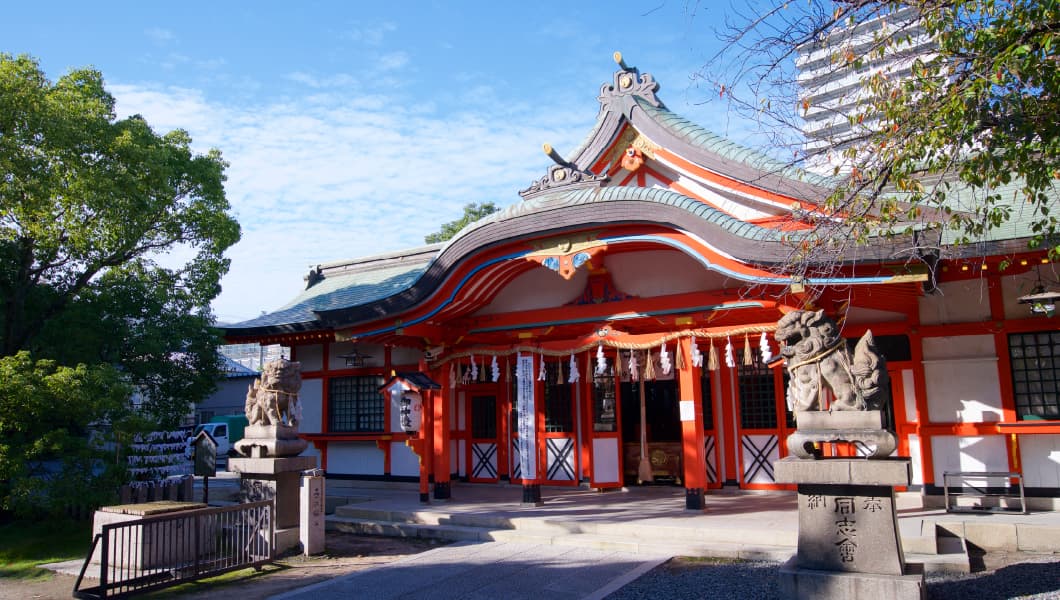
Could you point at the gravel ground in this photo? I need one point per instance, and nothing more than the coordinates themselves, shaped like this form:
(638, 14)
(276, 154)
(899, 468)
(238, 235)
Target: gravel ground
(1005, 576)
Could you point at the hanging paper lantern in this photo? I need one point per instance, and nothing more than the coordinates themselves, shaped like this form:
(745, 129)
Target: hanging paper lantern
(601, 360)
(574, 374)
(763, 347)
(730, 358)
(496, 370)
(542, 375)
(747, 359)
(665, 362)
(649, 367)
(634, 368)
(712, 358)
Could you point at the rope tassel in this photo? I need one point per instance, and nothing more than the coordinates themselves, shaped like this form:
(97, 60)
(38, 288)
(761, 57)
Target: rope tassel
(747, 359)
(649, 367)
(712, 358)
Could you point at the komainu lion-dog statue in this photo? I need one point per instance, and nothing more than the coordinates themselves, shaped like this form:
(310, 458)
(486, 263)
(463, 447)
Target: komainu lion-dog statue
(835, 397)
(272, 399)
(817, 357)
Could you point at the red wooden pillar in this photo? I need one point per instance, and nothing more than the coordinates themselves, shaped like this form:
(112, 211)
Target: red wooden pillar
(440, 456)
(692, 450)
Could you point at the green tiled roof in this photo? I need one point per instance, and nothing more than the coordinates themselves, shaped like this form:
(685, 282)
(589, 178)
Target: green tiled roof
(695, 135)
(343, 290)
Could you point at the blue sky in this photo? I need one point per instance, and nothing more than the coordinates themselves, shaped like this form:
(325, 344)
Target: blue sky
(354, 128)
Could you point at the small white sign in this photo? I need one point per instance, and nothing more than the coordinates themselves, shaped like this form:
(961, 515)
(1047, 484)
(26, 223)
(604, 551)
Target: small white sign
(688, 410)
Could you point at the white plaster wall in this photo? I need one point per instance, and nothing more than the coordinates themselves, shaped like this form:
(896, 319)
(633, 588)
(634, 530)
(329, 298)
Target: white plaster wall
(965, 346)
(1014, 286)
(916, 459)
(909, 392)
(661, 273)
(605, 460)
(355, 458)
(1040, 460)
(956, 302)
(962, 379)
(858, 315)
(311, 397)
(374, 352)
(403, 461)
(311, 357)
(537, 288)
(405, 357)
(968, 453)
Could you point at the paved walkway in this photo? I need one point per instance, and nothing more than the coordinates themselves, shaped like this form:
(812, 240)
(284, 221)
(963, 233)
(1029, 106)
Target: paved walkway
(527, 569)
(490, 570)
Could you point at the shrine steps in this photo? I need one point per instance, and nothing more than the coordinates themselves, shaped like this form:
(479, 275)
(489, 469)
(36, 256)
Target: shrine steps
(936, 548)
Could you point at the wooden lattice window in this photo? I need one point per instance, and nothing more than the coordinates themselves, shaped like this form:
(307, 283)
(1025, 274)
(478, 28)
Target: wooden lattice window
(355, 404)
(1036, 374)
(558, 415)
(707, 391)
(758, 398)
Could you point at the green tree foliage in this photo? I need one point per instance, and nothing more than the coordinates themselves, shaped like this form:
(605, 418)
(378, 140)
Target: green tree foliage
(472, 212)
(976, 120)
(88, 204)
(47, 458)
(90, 317)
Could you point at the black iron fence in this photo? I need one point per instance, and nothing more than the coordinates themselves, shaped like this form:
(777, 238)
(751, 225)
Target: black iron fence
(149, 553)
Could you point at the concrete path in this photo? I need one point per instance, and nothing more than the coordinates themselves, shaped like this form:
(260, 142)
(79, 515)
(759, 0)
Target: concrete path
(490, 570)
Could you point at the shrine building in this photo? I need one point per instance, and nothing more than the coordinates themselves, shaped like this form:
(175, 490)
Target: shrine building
(625, 305)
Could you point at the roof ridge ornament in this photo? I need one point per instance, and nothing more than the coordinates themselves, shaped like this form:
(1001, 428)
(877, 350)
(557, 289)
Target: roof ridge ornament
(629, 81)
(564, 174)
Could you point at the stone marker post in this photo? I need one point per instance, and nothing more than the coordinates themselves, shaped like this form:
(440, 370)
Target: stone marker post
(311, 522)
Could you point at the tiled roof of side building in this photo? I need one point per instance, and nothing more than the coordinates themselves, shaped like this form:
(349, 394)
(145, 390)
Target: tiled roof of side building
(344, 283)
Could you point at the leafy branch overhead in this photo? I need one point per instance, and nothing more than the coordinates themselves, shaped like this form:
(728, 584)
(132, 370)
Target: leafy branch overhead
(955, 142)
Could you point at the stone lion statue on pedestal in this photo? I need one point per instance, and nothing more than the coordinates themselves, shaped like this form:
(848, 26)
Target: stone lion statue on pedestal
(817, 357)
(273, 398)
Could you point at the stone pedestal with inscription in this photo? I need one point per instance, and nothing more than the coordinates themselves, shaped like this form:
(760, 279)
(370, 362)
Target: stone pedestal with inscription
(849, 546)
(275, 479)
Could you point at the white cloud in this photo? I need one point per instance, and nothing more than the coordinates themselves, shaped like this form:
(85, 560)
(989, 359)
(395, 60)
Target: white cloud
(392, 61)
(160, 36)
(370, 35)
(338, 173)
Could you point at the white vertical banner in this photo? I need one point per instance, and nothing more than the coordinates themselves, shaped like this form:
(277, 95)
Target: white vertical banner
(527, 414)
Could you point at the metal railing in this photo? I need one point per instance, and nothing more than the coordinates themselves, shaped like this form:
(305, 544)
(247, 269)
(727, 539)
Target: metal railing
(154, 552)
(994, 491)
